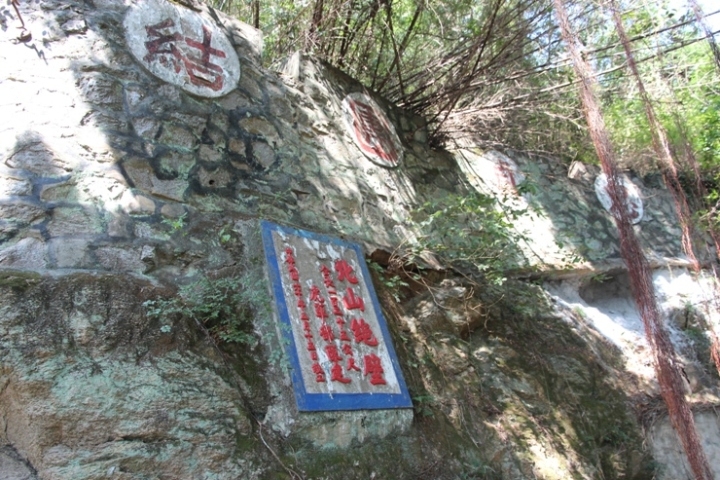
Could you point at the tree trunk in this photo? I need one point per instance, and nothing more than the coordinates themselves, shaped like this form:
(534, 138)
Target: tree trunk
(666, 367)
(668, 167)
(660, 143)
(700, 16)
(256, 13)
(312, 36)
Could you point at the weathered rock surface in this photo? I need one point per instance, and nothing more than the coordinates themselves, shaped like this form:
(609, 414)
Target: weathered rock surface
(91, 389)
(13, 467)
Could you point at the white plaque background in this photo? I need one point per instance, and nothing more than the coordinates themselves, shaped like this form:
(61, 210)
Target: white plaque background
(309, 255)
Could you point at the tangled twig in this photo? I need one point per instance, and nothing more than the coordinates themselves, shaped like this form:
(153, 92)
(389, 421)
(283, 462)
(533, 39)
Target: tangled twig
(293, 474)
(25, 36)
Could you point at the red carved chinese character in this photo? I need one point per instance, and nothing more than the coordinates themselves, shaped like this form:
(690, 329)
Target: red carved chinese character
(373, 367)
(297, 289)
(294, 274)
(319, 373)
(336, 374)
(332, 353)
(320, 311)
(289, 258)
(289, 251)
(304, 317)
(162, 45)
(352, 365)
(353, 302)
(372, 134)
(336, 306)
(506, 174)
(301, 303)
(327, 279)
(326, 333)
(201, 71)
(315, 295)
(341, 327)
(347, 349)
(324, 270)
(362, 332)
(345, 272)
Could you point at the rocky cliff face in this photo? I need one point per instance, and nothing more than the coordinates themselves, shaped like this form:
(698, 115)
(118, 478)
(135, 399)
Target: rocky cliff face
(124, 198)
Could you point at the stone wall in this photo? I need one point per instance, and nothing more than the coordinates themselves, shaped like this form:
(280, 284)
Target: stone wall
(117, 187)
(101, 155)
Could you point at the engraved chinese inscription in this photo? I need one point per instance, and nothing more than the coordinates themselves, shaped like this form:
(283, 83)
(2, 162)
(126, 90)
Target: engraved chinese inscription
(371, 130)
(340, 344)
(182, 48)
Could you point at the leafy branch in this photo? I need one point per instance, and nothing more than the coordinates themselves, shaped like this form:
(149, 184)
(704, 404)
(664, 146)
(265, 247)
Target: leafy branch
(467, 230)
(224, 306)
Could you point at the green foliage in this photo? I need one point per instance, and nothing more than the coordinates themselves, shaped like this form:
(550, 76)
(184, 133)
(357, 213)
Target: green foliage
(224, 306)
(175, 224)
(498, 70)
(600, 278)
(683, 85)
(468, 231)
(18, 280)
(431, 57)
(225, 234)
(708, 116)
(580, 312)
(423, 405)
(392, 281)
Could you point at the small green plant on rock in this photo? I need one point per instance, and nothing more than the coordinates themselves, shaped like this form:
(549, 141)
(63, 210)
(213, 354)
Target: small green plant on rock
(225, 235)
(580, 312)
(423, 405)
(393, 282)
(223, 306)
(175, 224)
(468, 231)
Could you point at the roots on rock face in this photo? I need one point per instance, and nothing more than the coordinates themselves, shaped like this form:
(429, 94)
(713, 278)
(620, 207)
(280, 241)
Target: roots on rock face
(668, 372)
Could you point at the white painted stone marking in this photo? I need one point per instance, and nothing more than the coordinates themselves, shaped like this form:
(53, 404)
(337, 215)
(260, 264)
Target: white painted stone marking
(634, 205)
(181, 47)
(504, 176)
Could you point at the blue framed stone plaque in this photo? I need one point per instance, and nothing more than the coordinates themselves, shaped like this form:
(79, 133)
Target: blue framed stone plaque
(337, 339)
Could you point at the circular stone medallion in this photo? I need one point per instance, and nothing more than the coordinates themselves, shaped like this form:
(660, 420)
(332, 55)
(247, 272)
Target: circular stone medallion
(181, 47)
(372, 131)
(505, 175)
(634, 205)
